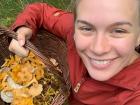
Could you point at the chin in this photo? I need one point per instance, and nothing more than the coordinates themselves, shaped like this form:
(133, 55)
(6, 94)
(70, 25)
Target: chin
(100, 76)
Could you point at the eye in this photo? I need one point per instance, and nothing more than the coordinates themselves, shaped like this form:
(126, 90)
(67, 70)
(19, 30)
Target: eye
(119, 31)
(83, 28)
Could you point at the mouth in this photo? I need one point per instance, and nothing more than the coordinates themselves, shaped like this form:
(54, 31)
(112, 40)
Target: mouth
(101, 64)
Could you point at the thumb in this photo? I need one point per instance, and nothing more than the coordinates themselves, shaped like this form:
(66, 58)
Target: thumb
(23, 34)
(21, 42)
(21, 39)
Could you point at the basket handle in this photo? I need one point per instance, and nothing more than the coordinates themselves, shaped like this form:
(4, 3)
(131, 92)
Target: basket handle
(28, 44)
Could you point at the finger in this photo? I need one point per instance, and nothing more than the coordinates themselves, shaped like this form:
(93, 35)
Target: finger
(21, 39)
(23, 34)
(17, 49)
(22, 54)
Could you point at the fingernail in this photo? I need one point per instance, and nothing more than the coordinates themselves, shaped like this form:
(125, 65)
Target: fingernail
(21, 42)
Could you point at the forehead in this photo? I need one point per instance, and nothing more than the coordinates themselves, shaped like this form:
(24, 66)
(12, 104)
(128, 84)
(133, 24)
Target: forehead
(108, 9)
(111, 4)
(108, 2)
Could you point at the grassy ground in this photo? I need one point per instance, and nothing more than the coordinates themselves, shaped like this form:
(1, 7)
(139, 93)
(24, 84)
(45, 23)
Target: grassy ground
(10, 8)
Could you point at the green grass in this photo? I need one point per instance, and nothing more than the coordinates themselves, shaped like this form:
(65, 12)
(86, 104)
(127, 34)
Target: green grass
(10, 8)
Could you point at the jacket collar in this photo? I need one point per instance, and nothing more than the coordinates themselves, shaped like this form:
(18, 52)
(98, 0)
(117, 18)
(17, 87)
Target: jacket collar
(128, 78)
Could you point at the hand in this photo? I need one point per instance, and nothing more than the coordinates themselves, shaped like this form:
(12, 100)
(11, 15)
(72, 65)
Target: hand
(17, 46)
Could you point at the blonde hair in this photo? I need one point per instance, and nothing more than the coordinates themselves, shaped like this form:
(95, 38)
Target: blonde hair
(75, 8)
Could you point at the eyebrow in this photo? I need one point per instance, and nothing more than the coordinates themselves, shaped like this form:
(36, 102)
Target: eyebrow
(122, 23)
(114, 24)
(84, 22)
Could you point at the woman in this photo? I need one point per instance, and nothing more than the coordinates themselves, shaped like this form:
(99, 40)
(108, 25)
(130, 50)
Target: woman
(104, 66)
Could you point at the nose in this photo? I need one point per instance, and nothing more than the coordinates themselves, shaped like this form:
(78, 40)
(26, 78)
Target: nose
(100, 44)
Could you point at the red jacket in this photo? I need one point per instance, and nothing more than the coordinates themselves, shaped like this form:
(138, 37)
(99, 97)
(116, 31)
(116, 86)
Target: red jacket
(123, 89)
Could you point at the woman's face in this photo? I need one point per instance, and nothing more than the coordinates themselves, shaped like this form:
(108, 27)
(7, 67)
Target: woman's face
(106, 34)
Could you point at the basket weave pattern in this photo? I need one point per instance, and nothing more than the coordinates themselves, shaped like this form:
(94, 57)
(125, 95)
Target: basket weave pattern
(45, 45)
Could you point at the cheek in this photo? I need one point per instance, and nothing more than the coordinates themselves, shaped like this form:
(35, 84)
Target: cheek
(81, 41)
(125, 47)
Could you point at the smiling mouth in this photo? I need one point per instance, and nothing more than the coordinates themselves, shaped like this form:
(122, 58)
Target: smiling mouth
(101, 64)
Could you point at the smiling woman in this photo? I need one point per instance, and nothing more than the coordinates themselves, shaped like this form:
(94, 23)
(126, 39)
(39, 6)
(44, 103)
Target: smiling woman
(101, 55)
(101, 39)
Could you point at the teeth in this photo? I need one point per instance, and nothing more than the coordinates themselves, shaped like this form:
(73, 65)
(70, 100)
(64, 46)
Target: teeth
(101, 62)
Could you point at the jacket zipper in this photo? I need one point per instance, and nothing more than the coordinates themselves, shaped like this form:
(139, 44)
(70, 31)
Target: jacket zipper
(78, 85)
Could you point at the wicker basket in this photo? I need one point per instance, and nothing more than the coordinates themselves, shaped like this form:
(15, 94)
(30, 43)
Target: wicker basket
(47, 45)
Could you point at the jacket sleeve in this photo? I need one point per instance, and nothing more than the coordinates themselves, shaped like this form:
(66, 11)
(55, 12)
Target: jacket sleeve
(42, 15)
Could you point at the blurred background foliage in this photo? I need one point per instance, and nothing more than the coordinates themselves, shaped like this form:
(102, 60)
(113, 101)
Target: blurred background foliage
(10, 8)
